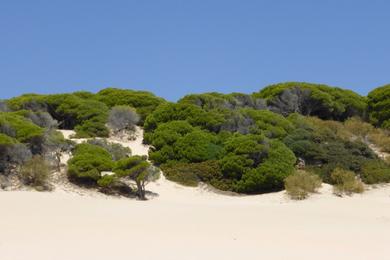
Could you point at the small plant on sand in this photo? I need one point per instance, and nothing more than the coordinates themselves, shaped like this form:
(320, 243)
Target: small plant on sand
(35, 173)
(301, 183)
(345, 182)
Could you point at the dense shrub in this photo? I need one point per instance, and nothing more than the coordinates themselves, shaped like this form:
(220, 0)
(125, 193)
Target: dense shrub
(88, 117)
(345, 182)
(35, 173)
(190, 174)
(313, 100)
(88, 162)
(197, 146)
(196, 116)
(117, 151)
(379, 106)
(375, 171)
(181, 173)
(301, 183)
(268, 123)
(270, 174)
(18, 127)
(144, 102)
(211, 101)
(325, 145)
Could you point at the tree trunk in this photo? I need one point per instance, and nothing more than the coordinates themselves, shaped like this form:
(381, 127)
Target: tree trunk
(140, 191)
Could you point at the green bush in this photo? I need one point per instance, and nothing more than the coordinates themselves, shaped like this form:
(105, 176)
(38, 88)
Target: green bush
(181, 173)
(196, 116)
(270, 174)
(35, 173)
(313, 100)
(379, 106)
(88, 162)
(21, 128)
(345, 182)
(144, 102)
(300, 184)
(117, 151)
(375, 171)
(189, 174)
(73, 111)
(106, 181)
(197, 146)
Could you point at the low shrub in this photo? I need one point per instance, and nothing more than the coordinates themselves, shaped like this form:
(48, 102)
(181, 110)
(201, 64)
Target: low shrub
(345, 182)
(181, 173)
(189, 174)
(375, 171)
(35, 173)
(301, 183)
(88, 162)
(381, 139)
(117, 151)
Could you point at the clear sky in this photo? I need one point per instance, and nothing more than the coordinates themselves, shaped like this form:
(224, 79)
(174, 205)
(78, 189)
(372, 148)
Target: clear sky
(173, 48)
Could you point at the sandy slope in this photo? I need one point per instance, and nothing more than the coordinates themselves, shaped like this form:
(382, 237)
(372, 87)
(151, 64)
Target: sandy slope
(193, 223)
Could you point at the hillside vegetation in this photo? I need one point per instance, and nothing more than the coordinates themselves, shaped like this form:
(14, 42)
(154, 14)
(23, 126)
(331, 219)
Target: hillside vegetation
(246, 143)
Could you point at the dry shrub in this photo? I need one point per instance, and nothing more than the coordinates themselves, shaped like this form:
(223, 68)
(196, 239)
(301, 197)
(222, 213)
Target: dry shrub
(380, 138)
(358, 127)
(35, 173)
(345, 182)
(301, 183)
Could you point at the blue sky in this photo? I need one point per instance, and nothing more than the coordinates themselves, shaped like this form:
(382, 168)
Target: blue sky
(173, 48)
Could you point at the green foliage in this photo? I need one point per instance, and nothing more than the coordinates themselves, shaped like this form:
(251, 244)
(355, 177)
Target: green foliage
(196, 116)
(106, 181)
(325, 145)
(181, 173)
(88, 162)
(6, 140)
(144, 102)
(19, 127)
(197, 146)
(134, 167)
(117, 151)
(78, 111)
(313, 100)
(189, 174)
(268, 123)
(88, 117)
(375, 171)
(379, 106)
(270, 174)
(301, 183)
(137, 169)
(35, 173)
(345, 182)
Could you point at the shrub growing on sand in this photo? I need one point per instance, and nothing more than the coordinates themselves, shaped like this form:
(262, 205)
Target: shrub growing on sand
(35, 173)
(122, 118)
(345, 182)
(301, 183)
(117, 151)
(375, 171)
(189, 174)
(137, 169)
(88, 162)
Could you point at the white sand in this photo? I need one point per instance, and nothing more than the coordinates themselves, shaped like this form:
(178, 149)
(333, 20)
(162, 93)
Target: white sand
(193, 223)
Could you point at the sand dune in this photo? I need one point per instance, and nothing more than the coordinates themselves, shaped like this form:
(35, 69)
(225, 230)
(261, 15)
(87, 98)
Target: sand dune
(193, 223)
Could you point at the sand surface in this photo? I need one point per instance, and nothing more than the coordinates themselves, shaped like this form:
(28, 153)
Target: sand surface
(193, 223)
